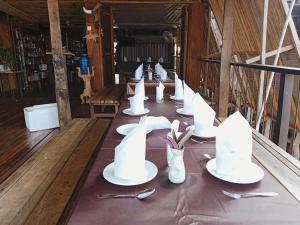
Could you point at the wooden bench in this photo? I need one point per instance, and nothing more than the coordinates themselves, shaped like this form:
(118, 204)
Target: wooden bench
(110, 96)
(38, 192)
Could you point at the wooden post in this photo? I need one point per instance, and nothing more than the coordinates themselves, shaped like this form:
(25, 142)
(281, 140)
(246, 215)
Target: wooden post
(296, 149)
(95, 50)
(226, 51)
(186, 36)
(208, 14)
(59, 63)
(267, 127)
(284, 110)
(195, 47)
(112, 41)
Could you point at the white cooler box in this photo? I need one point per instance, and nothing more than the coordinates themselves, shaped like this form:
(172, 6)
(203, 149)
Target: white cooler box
(41, 117)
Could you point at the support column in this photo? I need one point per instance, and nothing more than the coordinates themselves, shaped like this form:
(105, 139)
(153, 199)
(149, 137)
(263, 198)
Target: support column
(185, 41)
(95, 49)
(284, 110)
(195, 46)
(226, 58)
(59, 64)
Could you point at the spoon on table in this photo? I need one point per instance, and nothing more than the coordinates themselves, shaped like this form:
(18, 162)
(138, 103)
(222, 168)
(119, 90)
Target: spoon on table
(140, 195)
(207, 156)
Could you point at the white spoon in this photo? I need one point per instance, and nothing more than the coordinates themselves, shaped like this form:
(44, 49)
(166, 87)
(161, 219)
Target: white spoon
(141, 195)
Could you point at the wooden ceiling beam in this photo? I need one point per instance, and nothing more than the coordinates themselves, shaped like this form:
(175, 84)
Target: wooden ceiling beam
(145, 1)
(10, 10)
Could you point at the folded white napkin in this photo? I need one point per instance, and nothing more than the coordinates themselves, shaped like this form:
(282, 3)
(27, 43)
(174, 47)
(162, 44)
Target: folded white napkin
(160, 91)
(139, 72)
(163, 74)
(157, 68)
(204, 115)
(129, 161)
(140, 88)
(137, 104)
(138, 59)
(188, 99)
(178, 88)
(161, 71)
(149, 59)
(149, 69)
(233, 145)
(157, 123)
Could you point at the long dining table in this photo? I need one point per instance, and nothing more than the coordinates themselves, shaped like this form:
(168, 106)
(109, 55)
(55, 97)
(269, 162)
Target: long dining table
(199, 200)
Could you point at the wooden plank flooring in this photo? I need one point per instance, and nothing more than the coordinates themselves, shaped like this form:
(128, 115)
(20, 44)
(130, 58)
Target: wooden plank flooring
(17, 144)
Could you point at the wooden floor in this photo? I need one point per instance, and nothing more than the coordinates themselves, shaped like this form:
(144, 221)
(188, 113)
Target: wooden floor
(16, 143)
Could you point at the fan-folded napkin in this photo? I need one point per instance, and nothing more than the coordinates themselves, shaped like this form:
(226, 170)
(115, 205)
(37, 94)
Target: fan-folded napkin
(139, 72)
(129, 160)
(137, 104)
(233, 145)
(178, 89)
(188, 99)
(204, 115)
(161, 71)
(157, 123)
(140, 88)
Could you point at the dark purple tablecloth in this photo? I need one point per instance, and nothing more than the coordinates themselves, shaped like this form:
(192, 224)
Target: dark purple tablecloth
(198, 200)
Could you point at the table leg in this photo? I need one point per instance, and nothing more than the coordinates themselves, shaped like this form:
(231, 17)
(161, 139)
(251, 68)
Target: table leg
(92, 111)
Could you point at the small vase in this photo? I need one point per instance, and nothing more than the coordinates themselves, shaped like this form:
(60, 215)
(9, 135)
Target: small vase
(176, 167)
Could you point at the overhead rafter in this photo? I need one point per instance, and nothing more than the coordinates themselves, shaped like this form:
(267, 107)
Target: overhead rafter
(10, 10)
(145, 1)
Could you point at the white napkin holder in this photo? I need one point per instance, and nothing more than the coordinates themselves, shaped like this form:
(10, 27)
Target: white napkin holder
(150, 75)
(160, 92)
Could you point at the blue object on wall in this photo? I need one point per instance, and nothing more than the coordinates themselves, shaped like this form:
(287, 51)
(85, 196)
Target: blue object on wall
(84, 63)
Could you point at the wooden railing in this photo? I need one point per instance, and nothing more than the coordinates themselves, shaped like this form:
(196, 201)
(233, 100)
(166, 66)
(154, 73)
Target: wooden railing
(280, 119)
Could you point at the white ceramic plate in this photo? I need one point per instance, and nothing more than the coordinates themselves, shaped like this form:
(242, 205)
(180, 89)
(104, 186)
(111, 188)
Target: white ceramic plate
(127, 128)
(180, 111)
(146, 98)
(175, 99)
(151, 172)
(248, 175)
(128, 112)
(210, 132)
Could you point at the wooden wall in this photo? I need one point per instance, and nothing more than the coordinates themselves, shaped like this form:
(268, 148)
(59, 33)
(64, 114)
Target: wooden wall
(5, 33)
(248, 16)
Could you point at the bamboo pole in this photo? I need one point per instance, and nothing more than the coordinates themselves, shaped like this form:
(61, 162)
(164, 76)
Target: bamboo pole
(263, 57)
(275, 63)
